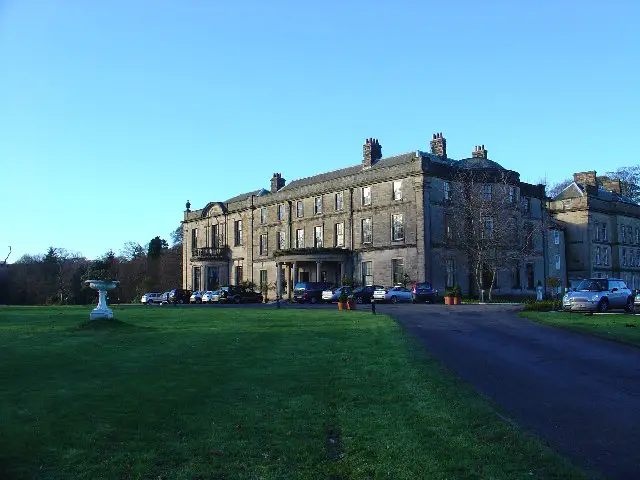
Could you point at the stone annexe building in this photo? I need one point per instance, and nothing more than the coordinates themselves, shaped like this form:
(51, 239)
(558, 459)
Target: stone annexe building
(383, 221)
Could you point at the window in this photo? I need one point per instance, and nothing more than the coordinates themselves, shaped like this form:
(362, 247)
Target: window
(317, 205)
(367, 235)
(529, 270)
(637, 235)
(263, 244)
(239, 274)
(237, 233)
(196, 279)
(299, 210)
(366, 195)
(512, 194)
(447, 190)
(194, 238)
(557, 261)
(597, 255)
(632, 259)
(281, 241)
(338, 202)
(604, 233)
(487, 227)
(486, 191)
(526, 205)
(597, 226)
(317, 236)
(623, 232)
(281, 212)
(397, 190)
(448, 228)
(606, 256)
(450, 269)
(556, 237)
(397, 227)
(339, 235)
(630, 234)
(624, 257)
(263, 277)
(397, 270)
(367, 273)
(528, 237)
(215, 236)
(300, 238)
(263, 215)
(638, 258)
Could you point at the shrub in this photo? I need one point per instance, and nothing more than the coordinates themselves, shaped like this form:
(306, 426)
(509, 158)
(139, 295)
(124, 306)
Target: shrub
(543, 305)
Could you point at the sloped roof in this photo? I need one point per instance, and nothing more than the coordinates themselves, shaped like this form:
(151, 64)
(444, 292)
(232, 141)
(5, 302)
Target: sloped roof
(244, 196)
(479, 163)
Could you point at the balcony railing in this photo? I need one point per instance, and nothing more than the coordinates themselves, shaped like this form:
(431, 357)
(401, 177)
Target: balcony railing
(210, 253)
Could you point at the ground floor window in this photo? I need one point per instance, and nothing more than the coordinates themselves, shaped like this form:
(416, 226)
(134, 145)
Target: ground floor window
(450, 268)
(238, 274)
(397, 270)
(263, 277)
(213, 278)
(367, 273)
(530, 282)
(196, 278)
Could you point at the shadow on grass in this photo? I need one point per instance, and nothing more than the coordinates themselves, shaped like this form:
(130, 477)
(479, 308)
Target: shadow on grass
(114, 324)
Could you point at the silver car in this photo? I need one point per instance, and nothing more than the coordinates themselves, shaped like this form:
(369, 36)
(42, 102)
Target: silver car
(598, 295)
(331, 295)
(393, 295)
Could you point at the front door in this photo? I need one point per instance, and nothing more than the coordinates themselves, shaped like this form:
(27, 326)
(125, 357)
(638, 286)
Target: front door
(304, 277)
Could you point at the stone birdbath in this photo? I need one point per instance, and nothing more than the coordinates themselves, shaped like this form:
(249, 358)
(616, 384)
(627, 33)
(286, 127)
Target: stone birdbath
(102, 311)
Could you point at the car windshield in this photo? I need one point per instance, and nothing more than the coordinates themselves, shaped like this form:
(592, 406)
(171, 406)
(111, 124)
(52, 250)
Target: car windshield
(592, 285)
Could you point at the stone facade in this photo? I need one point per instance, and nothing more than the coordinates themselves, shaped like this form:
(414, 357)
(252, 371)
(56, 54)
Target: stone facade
(602, 229)
(380, 222)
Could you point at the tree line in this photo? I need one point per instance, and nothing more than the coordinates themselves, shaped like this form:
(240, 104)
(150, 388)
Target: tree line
(58, 276)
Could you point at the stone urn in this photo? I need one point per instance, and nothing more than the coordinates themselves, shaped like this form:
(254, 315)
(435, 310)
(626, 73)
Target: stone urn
(102, 310)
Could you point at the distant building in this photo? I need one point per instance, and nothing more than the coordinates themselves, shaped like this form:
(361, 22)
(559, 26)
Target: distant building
(382, 221)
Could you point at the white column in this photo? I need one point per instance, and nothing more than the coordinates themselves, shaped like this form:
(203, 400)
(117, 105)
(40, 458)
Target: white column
(288, 275)
(318, 271)
(279, 279)
(342, 272)
(295, 273)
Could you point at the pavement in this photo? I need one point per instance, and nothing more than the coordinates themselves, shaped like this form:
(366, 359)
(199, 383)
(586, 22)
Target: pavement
(580, 394)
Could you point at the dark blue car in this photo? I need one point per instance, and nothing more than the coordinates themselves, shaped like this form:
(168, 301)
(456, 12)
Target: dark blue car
(422, 292)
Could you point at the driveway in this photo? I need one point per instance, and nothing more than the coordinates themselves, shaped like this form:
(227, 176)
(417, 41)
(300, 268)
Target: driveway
(580, 394)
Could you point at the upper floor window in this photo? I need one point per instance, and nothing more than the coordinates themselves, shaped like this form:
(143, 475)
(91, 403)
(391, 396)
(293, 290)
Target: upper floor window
(637, 235)
(367, 233)
(604, 233)
(397, 227)
(597, 255)
(300, 238)
(447, 190)
(638, 258)
(281, 211)
(597, 228)
(624, 257)
(339, 235)
(512, 194)
(317, 236)
(397, 190)
(299, 209)
(630, 234)
(281, 241)
(263, 244)
(450, 269)
(623, 233)
(338, 201)
(237, 233)
(317, 205)
(486, 191)
(194, 238)
(606, 256)
(556, 237)
(216, 238)
(263, 215)
(448, 227)
(526, 204)
(366, 195)
(557, 261)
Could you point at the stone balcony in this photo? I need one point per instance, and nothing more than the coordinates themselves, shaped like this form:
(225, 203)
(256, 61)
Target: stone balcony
(210, 253)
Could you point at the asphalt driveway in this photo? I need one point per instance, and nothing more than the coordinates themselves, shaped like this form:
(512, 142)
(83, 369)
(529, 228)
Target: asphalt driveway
(580, 394)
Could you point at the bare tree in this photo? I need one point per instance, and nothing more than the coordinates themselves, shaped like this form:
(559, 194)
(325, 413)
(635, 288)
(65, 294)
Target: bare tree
(556, 188)
(630, 181)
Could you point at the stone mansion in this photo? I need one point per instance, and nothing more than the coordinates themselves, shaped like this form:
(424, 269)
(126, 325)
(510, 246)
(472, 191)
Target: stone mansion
(382, 221)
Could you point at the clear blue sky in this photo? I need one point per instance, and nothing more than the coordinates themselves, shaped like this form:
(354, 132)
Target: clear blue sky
(114, 113)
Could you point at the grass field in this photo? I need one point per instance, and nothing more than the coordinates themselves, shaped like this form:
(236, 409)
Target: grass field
(224, 393)
(620, 326)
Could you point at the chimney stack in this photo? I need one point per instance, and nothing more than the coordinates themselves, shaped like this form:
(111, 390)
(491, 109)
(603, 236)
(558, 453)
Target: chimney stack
(371, 152)
(439, 145)
(611, 185)
(479, 152)
(277, 182)
(586, 178)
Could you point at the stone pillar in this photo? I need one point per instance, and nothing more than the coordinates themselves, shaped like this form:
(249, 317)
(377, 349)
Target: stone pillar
(289, 282)
(279, 279)
(295, 273)
(318, 271)
(342, 272)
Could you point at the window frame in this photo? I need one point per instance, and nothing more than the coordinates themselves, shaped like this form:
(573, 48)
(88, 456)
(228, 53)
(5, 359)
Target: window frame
(281, 212)
(397, 236)
(316, 243)
(365, 200)
(263, 215)
(317, 205)
(338, 206)
(363, 239)
(264, 248)
(237, 233)
(446, 191)
(395, 262)
(282, 240)
(299, 209)
(299, 236)
(396, 193)
(556, 237)
(366, 273)
(487, 192)
(338, 235)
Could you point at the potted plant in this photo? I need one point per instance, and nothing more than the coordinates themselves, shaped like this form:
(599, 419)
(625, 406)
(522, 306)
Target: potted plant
(449, 295)
(342, 300)
(351, 302)
(456, 294)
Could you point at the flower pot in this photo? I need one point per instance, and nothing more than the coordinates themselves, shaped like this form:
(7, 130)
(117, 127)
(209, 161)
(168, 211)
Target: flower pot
(342, 305)
(448, 300)
(351, 304)
(456, 300)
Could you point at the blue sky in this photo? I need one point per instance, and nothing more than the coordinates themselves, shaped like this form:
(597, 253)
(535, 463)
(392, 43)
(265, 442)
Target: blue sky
(113, 114)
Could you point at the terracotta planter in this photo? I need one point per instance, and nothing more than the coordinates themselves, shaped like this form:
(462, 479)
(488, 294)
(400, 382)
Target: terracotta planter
(351, 304)
(448, 300)
(342, 305)
(456, 300)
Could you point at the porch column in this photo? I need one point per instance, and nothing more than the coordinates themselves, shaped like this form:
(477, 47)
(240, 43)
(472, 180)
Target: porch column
(278, 279)
(289, 283)
(342, 272)
(318, 271)
(295, 273)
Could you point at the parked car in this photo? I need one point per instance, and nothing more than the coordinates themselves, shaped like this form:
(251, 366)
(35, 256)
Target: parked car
(196, 297)
(309, 291)
(151, 298)
(236, 294)
(598, 295)
(179, 295)
(165, 298)
(393, 294)
(364, 294)
(422, 292)
(207, 297)
(331, 295)
(636, 302)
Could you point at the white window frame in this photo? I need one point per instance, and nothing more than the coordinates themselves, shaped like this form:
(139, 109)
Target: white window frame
(597, 232)
(369, 238)
(366, 270)
(299, 209)
(446, 189)
(397, 190)
(317, 205)
(282, 241)
(281, 212)
(556, 237)
(397, 236)
(300, 238)
(263, 215)
(450, 272)
(604, 233)
(339, 237)
(598, 257)
(366, 196)
(605, 254)
(339, 201)
(557, 261)
(264, 247)
(318, 236)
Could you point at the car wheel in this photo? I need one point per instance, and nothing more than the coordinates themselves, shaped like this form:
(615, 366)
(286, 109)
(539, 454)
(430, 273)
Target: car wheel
(603, 306)
(180, 302)
(236, 300)
(394, 299)
(358, 299)
(313, 300)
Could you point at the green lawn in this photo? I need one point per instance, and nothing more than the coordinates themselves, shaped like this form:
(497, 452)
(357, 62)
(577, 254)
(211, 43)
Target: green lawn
(622, 327)
(221, 393)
